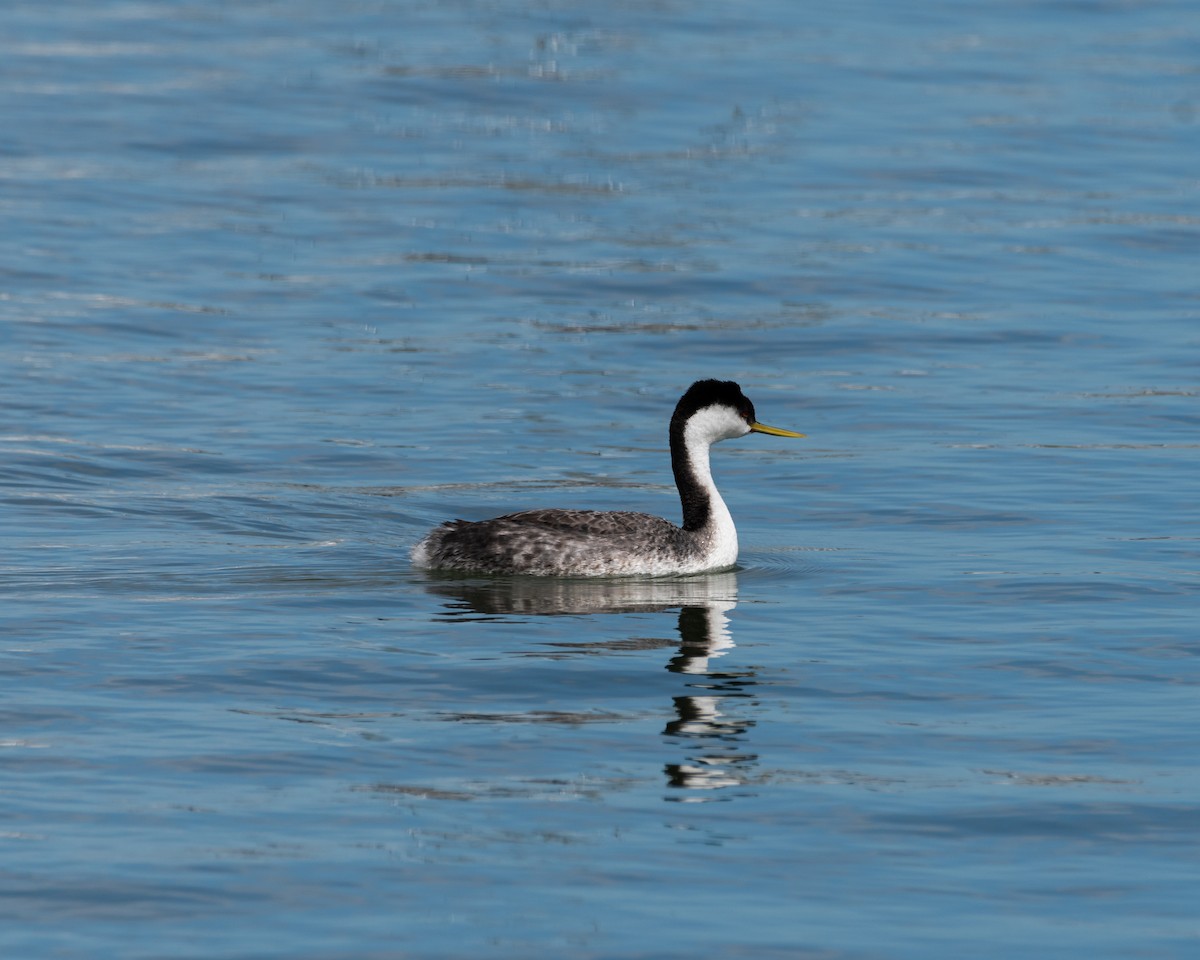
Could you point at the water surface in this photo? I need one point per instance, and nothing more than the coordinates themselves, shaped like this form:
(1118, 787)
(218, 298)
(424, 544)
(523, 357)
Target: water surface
(284, 288)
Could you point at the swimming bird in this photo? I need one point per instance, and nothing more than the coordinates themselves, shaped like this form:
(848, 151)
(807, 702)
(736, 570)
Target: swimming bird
(601, 543)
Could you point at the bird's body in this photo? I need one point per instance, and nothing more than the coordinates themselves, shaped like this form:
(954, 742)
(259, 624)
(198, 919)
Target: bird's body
(597, 543)
(575, 543)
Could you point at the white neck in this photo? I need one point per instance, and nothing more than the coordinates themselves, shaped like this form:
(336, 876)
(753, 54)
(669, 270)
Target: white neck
(718, 536)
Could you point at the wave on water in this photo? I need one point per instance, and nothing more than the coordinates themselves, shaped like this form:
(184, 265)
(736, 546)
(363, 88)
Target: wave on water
(779, 563)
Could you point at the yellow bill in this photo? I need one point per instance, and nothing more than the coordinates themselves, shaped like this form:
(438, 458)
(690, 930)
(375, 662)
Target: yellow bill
(773, 431)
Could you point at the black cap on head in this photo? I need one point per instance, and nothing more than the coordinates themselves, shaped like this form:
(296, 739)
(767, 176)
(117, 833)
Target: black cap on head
(709, 393)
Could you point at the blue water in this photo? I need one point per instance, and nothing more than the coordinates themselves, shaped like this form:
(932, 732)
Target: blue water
(285, 285)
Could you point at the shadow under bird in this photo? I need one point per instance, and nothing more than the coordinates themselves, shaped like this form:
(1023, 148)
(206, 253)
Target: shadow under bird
(602, 543)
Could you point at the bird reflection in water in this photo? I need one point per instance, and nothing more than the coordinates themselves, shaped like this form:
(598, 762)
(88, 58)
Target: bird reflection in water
(718, 760)
(713, 735)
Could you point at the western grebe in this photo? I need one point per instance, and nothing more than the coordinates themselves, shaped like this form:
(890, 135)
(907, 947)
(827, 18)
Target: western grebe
(598, 543)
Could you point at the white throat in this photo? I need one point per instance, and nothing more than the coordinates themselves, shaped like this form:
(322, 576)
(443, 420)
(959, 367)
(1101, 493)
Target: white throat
(718, 536)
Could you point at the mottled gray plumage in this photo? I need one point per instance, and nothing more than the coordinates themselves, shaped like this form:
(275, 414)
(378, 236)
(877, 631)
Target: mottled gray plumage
(558, 543)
